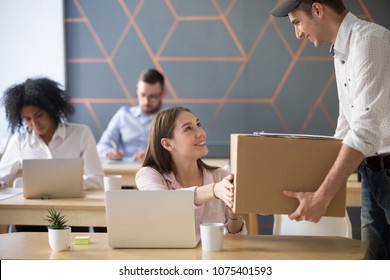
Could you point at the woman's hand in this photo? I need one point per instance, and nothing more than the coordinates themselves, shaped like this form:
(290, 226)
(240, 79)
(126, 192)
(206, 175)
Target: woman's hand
(235, 222)
(224, 190)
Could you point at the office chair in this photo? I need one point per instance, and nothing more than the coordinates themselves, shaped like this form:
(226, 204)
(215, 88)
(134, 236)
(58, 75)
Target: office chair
(327, 226)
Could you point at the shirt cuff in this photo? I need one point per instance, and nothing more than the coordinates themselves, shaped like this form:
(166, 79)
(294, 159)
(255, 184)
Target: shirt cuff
(355, 142)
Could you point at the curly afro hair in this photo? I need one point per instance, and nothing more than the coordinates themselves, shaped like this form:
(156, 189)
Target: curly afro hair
(43, 93)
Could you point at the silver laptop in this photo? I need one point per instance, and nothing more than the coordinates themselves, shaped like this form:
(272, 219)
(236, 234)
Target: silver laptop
(150, 219)
(53, 178)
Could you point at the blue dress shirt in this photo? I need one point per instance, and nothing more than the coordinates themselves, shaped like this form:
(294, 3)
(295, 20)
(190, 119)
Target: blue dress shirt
(128, 129)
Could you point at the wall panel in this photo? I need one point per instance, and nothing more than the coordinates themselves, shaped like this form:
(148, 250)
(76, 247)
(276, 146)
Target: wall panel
(236, 67)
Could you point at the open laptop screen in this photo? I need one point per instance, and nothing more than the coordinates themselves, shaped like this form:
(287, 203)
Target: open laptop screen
(53, 178)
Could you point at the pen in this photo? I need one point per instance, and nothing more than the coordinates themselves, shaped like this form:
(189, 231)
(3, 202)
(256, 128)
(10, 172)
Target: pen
(113, 144)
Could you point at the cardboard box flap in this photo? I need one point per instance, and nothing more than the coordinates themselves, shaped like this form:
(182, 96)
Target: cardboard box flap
(265, 166)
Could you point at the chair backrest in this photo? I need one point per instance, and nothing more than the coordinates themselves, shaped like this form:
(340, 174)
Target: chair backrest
(327, 226)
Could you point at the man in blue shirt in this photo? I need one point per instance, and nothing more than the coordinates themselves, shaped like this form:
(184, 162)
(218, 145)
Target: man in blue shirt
(127, 132)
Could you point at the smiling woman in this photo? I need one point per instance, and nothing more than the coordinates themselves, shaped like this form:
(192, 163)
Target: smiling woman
(177, 142)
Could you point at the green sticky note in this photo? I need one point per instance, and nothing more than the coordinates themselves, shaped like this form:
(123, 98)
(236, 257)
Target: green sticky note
(81, 240)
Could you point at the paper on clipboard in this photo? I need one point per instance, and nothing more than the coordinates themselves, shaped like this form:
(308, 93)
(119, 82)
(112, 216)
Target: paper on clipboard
(121, 161)
(314, 136)
(9, 192)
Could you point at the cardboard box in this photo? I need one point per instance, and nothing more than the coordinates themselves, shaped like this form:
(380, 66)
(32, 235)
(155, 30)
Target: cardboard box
(266, 165)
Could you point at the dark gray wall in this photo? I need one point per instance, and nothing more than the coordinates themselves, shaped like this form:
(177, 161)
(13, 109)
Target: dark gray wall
(236, 67)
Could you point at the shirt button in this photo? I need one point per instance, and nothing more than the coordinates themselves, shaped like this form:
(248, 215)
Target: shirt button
(342, 62)
(345, 84)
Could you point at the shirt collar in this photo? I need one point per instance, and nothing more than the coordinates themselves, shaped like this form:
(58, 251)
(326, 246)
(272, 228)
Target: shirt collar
(171, 180)
(137, 111)
(331, 51)
(341, 44)
(60, 132)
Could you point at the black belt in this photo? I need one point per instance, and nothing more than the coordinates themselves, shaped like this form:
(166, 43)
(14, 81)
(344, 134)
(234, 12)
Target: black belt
(377, 162)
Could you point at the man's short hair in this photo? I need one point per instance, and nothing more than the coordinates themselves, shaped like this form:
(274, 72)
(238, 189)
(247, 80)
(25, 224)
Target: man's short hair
(152, 76)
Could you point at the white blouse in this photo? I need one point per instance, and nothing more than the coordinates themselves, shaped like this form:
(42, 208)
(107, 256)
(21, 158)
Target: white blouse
(69, 141)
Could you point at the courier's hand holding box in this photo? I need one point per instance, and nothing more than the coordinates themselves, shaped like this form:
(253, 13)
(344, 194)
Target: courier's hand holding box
(265, 165)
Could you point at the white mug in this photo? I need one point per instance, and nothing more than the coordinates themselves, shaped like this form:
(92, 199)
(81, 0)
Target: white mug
(112, 182)
(211, 235)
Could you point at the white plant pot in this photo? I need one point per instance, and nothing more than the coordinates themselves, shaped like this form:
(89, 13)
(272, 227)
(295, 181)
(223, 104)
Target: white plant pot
(59, 239)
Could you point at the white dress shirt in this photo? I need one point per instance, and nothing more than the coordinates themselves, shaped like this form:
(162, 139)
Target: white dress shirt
(362, 64)
(69, 141)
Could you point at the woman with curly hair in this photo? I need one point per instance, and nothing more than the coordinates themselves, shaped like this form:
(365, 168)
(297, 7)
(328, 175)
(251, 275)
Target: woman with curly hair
(37, 111)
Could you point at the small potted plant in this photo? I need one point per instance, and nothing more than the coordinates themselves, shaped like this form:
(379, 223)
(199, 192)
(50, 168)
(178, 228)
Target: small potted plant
(58, 231)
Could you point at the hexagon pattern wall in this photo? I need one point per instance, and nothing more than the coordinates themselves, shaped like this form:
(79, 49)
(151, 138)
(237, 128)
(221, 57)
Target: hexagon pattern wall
(236, 67)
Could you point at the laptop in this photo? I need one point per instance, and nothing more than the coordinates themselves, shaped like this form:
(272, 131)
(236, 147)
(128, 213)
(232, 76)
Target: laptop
(53, 178)
(150, 219)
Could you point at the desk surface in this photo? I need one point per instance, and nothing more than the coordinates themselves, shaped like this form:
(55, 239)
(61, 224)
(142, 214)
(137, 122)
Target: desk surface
(17, 210)
(25, 245)
(90, 211)
(87, 211)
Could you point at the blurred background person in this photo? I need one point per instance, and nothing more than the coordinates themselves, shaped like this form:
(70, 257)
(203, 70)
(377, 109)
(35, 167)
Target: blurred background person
(127, 132)
(37, 111)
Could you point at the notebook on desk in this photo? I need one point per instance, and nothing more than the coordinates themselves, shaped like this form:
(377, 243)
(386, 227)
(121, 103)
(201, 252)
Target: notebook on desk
(150, 219)
(53, 178)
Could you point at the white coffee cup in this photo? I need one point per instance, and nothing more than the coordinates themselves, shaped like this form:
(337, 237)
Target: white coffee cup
(211, 235)
(112, 182)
